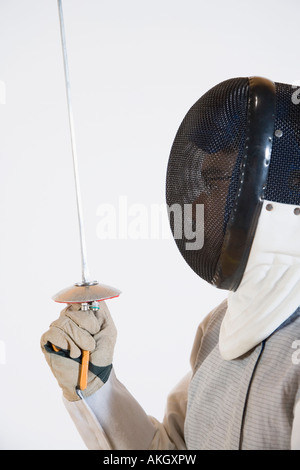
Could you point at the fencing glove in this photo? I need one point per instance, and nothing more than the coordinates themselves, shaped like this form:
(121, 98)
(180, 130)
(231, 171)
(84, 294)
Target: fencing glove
(74, 331)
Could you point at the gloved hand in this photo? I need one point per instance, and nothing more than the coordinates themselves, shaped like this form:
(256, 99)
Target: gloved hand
(74, 331)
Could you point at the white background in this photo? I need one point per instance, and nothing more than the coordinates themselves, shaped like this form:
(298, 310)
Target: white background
(136, 68)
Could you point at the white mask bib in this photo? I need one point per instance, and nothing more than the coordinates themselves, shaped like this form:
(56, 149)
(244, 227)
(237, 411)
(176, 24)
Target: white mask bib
(270, 289)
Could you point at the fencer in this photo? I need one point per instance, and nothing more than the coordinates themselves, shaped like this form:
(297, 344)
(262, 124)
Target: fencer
(237, 154)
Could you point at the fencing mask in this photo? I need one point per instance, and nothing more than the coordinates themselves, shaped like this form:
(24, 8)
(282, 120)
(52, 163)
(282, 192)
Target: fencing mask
(236, 147)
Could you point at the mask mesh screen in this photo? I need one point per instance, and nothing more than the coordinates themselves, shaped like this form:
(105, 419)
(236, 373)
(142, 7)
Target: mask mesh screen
(283, 183)
(204, 169)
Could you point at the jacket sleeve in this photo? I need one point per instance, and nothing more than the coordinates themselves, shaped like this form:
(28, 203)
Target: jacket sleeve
(111, 418)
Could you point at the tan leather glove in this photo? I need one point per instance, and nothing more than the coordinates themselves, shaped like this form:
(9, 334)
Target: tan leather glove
(75, 331)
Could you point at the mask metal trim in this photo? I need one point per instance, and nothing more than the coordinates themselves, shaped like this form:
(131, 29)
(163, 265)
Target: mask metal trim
(253, 176)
